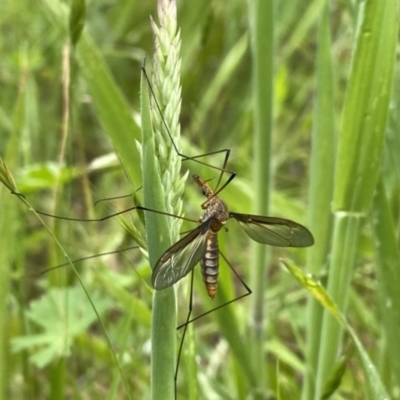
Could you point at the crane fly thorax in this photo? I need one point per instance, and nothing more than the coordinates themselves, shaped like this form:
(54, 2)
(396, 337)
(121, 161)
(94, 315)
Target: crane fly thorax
(217, 210)
(214, 208)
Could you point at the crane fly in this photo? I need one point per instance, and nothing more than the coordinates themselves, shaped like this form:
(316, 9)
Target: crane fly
(201, 244)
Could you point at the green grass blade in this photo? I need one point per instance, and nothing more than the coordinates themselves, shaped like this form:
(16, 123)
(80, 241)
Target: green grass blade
(366, 107)
(112, 108)
(163, 186)
(158, 239)
(388, 273)
(343, 255)
(374, 388)
(262, 38)
(8, 214)
(360, 147)
(321, 190)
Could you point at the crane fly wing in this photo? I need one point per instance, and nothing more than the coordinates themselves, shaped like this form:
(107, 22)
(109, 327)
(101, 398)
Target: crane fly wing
(180, 258)
(274, 231)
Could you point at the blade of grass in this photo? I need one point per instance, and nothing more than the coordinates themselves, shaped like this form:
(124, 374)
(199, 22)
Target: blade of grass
(388, 254)
(375, 388)
(112, 108)
(321, 191)
(221, 79)
(261, 16)
(8, 214)
(158, 239)
(360, 147)
(306, 21)
(163, 187)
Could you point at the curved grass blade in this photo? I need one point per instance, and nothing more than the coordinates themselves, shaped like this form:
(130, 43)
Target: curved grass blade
(375, 387)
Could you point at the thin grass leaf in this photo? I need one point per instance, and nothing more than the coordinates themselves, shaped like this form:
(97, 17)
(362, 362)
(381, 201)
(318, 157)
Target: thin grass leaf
(77, 20)
(360, 146)
(223, 77)
(158, 240)
(6, 177)
(307, 20)
(388, 273)
(375, 388)
(8, 232)
(262, 39)
(112, 107)
(366, 108)
(163, 186)
(321, 190)
(113, 110)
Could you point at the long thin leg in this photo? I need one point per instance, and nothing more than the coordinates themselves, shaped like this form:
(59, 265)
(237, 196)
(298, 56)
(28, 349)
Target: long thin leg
(189, 321)
(111, 215)
(185, 157)
(184, 334)
(88, 258)
(124, 196)
(248, 292)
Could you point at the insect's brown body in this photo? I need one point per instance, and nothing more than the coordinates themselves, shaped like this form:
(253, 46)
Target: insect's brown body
(210, 264)
(217, 210)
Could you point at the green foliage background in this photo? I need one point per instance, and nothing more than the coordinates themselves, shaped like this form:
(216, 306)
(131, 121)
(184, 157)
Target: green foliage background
(330, 101)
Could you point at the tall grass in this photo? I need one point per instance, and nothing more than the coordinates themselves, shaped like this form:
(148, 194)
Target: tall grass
(334, 119)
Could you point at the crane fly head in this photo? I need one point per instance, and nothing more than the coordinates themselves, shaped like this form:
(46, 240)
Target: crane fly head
(205, 189)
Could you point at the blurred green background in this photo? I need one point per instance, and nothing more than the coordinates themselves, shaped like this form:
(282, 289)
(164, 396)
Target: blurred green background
(53, 346)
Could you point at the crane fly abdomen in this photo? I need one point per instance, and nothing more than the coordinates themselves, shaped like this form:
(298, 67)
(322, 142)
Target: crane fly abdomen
(216, 212)
(210, 263)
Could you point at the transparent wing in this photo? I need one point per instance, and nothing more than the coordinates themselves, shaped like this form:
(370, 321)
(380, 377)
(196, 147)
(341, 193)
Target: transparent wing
(274, 231)
(180, 258)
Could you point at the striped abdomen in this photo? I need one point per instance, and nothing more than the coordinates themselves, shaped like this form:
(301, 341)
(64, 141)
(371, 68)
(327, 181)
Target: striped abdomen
(210, 263)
